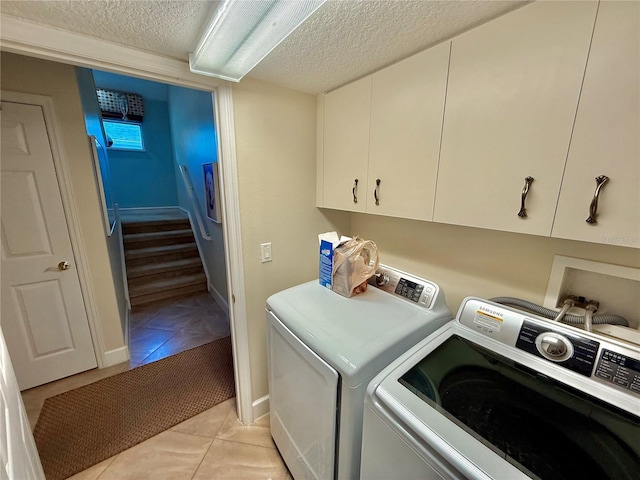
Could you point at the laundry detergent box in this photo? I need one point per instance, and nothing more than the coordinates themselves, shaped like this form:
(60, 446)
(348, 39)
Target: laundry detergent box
(328, 241)
(346, 263)
(326, 264)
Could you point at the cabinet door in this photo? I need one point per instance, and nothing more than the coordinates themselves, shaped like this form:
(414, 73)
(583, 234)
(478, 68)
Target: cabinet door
(605, 139)
(346, 145)
(407, 103)
(511, 101)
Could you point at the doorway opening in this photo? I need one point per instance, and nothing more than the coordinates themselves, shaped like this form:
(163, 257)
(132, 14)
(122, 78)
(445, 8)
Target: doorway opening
(148, 186)
(171, 247)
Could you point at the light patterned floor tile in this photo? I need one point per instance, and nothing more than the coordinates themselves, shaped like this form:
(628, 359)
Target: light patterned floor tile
(92, 473)
(208, 423)
(256, 434)
(146, 341)
(167, 456)
(178, 344)
(239, 461)
(213, 322)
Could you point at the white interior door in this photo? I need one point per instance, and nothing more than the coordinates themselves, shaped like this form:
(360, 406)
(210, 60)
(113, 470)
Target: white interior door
(43, 315)
(18, 454)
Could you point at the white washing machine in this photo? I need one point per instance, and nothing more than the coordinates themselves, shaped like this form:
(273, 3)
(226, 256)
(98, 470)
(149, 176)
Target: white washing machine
(324, 349)
(503, 394)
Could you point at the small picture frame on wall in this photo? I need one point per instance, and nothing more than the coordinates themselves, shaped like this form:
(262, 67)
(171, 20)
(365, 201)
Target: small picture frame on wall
(211, 191)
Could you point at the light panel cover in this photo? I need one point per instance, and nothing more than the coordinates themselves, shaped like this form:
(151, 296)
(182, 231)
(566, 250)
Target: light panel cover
(243, 32)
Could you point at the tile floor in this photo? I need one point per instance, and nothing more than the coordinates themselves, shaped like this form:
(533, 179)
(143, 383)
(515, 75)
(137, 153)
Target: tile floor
(165, 328)
(211, 445)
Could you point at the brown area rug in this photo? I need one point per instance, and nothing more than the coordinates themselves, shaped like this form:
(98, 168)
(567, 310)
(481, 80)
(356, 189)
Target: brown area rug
(85, 426)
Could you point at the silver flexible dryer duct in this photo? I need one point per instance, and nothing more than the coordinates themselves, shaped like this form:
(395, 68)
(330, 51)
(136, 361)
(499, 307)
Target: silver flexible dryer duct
(551, 314)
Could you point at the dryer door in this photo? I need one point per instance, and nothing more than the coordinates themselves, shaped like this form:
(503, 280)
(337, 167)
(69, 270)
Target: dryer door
(303, 394)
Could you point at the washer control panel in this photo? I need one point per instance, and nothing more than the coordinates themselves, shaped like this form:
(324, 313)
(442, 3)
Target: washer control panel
(414, 289)
(570, 351)
(619, 370)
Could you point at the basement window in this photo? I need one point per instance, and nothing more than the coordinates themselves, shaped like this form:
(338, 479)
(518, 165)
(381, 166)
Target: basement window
(124, 135)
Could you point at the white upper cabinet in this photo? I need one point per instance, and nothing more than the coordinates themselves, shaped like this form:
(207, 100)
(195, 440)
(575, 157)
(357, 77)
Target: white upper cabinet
(380, 138)
(407, 104)
(346, 146)
(606, 136)
(512, 96)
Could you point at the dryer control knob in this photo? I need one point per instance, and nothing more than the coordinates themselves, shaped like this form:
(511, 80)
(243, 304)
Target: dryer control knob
(382, 279)
(554, 347)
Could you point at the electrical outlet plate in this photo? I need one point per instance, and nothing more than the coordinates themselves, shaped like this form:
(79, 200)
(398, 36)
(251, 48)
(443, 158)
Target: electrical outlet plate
(617, 288)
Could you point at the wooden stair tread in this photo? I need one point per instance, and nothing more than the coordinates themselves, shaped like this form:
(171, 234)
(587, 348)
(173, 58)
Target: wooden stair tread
(161, 250)
(133, 237)
(162, 260)
(168, 294)
(133, 227)
(152, 268)
(167, 284)
(154, 223)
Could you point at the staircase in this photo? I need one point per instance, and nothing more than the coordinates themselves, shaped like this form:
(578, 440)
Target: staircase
(162, 260)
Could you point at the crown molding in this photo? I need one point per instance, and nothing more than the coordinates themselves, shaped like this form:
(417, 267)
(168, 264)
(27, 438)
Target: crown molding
(41, 41)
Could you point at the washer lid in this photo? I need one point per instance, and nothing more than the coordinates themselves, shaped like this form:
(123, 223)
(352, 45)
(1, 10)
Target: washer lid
(360, 335)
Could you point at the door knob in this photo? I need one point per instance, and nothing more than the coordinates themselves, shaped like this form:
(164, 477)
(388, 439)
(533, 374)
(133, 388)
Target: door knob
(64, 266)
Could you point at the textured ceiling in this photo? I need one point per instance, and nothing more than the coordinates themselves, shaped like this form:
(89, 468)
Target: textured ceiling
(342, 41)
(348, 39)
(165, 27)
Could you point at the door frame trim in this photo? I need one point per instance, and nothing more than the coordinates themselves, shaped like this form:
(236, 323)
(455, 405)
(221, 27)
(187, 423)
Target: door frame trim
(61, 46)
(70, 212)
(224, 119)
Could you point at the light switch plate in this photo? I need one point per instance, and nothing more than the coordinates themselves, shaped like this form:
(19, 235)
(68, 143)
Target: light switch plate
(265, 252)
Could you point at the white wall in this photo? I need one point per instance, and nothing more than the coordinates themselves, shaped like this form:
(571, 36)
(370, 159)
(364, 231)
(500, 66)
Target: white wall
(93, 125)
(468, 261)
(58, 81)
(276, 155)
(194, 143)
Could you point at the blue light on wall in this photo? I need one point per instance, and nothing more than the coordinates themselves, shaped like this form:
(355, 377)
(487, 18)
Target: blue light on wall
(146, 178)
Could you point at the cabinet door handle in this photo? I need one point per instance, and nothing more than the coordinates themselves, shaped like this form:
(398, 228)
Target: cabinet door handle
(375, 191)
(354, 191)
(593, 208)
(527, 183)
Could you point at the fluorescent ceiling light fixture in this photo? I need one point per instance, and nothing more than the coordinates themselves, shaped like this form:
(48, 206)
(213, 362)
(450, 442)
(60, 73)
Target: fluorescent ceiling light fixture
(242, 32)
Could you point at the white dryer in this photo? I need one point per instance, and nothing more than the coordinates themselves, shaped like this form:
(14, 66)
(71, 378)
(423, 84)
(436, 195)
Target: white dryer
(323, 350)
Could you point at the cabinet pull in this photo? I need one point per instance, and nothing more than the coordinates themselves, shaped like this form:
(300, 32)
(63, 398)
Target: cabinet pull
(527, 183)
(354, 191)
(375, 191)
(593, 208)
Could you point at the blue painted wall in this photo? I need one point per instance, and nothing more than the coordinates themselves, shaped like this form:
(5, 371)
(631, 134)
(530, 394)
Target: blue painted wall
(147, 179)
(196, 142)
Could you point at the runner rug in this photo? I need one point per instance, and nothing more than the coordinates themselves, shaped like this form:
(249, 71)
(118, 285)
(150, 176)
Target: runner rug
(85, 426)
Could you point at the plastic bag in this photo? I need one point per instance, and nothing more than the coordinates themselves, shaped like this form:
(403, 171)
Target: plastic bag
(354, 262)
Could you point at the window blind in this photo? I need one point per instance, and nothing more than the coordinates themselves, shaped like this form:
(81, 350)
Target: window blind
(120, 105)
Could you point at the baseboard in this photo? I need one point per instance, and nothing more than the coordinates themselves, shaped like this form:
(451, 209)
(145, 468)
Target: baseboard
(260, 407)
(149, 209)
(127, 324)
(115, 356)
(220, 300)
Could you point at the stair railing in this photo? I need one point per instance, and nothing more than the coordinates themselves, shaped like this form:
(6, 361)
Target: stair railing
(123, 267)
(186, 177)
